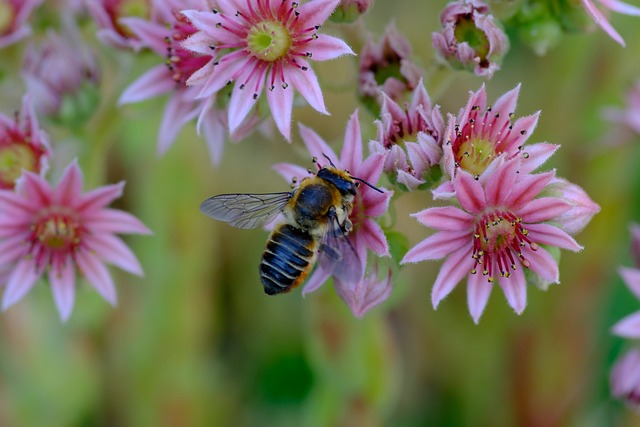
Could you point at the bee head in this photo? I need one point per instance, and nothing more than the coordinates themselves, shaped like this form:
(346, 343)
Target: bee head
(341, 180)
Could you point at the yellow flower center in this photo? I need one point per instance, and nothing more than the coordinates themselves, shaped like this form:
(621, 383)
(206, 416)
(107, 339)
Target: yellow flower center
(13, 159)
(269, 41)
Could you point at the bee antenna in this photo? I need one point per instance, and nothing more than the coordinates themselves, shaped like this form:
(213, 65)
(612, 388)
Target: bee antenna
(330, 162)
(367, 184)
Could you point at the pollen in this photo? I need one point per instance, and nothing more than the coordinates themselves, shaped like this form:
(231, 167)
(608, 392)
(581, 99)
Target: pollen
(497, 242)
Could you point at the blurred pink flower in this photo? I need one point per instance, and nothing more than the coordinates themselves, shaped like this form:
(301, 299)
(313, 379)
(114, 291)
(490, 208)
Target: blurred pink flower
(475, 140)
(366, 294)
(410, 138)
(629, 116)
(107, 15)
(629, 327)
(496, 233)
(625, 378)
(163, 35)
(368, 204)
(386, 66)
(582, 209)
(23, 145)
(59, 230)
(635, 243)
(601, 19)
(14, 15)
(266, 42)
(62, 74)
(469, 38)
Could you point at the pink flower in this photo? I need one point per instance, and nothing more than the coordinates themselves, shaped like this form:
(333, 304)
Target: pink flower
(469, 38)
(23, 145)
(61, 75)
(476, 139)
(368, 293)
(164, 35)
(628, 117)
(368, 204)
(58, 230)
(635, 243)
(582, 209)
(625, 378)
(410, 138)
(14, 15)
(386, 66)
(107, 15)
(496, 233)
(263, 42)
(601, 19)
(629, 327)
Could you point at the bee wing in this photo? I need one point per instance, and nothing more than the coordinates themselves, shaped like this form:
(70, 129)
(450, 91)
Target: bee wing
(337, 254)
(245, 210)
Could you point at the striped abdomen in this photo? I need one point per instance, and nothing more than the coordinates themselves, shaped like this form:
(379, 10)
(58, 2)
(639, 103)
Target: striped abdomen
(287, 259)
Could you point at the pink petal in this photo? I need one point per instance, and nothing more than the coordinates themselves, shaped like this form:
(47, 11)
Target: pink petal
(542, 263)
(326, 47)
(21, 280)
(150, 33)
(438, 246)
(220, 75)
(499, 184)
(200, 43)
(317, 279)
(631, 277)
(527, 188)
(469, 192)
(154, 82)
(315, 12)
(306, 83)
(602, 21)
(114, 221)
(214, 135)
(245, 94)
(114, 251)
(36, 189)
(515, 289)
(208, 22)
(629, 327)
(520, 132)
(538, 155)
(444, 218)
(620, 7)
(543, 209)
(548, 234)
(316, 145)
(13, 248)
(370, 169)
(291, 172)
(177, 113)
(455, 267)
(97, 275)
(280, 102)
(478, 292)
(374, 238)
(14, 205)
(63, 289)
(100, 197)
(351, 154)
(506, 104)
(376, 204)
(70, 186)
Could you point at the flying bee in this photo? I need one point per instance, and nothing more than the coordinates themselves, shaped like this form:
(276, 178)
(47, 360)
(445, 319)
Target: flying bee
(315, 225)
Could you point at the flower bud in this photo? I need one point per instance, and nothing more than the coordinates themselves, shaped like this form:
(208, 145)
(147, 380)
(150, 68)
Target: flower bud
(350, 10)
(582, 210)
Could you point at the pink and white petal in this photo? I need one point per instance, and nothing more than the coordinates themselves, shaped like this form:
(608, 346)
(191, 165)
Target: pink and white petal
(201, 77)
(515, 289)
(542, 263)
(12, 248)
(454, 268)
(499, 183)
(374, 238)
(628, 327)
(151, 34)
(177, 113)
(446, 218)
(476, 100)
(408, 180)
(538, 154)
(214, 135)
(63, 283)
(520, 132)
(478, 292)
(317, 279)
(506, 104)
(114, 251)
(631, 277)
(280, 102)
(316, 146)
(291, 172)
(15, 205)
(306, 83)
(315, 12)
(218, 76)
(444, 191)
(527, 188)
(327, 47)
(469, 192)
(36, 189)
(208, 22)
(13, 37)
(602, 21)
(200, 43)
(438, 246)
(154, 82)
(376, 204)
(20, 282)
(114, 221)
(621, 7)
(543, 209)
(97, 275)
(69, 188)
(99, 198)
(245, 94)
(351, 154)
(551, 235)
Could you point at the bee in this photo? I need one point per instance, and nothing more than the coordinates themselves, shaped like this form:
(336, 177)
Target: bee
(315, 225)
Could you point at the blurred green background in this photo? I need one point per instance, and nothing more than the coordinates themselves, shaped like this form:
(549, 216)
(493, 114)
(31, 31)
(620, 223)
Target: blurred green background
(196, 342)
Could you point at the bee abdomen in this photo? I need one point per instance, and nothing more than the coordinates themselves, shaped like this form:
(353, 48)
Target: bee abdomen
(287, 259)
